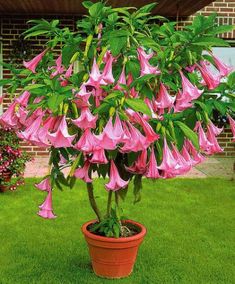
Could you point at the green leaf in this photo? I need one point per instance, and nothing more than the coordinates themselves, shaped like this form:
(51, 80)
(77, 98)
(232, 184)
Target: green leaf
(189, 133)
(36, 33)
(95, 9)
(33, 86)
(142, 79)
(5, 82)
(87, 4)
(221, 107)
(54, 101)
(210, 41)
(222, 29)
(138, 105)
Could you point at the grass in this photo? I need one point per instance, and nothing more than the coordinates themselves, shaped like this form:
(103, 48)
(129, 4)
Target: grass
(191, 234)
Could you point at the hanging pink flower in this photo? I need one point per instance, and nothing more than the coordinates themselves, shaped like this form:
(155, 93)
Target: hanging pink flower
(216, 130)
(191, 68)
(88, 142)
(212, 81)
(151, 135)
(86, 119)
(184, 165)
(215, 147)
(115, 181)
(83, 173)
(44, 184)
(140, 165)
(181, 102)
(95, 79)
(82, 97)
(99, 157)
(133, 92)
(69, 72)
(164, 99)
(152, 169)
(61, 138)
(136, 141)
(145, 66)
(46, 210)
(31, 132)
(9, 118)
(111, 135)
(196, 156)
(121, 80)
(59, 68)
(204, 143)
(23, 99)
(224, 70)
(232, 125)
(42, 134)
(169, 165)
(107, 72)
(32, 64)
(187, 157)
(189, 91)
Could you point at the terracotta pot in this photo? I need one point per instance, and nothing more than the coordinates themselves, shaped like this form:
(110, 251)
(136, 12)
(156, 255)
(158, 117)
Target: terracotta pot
(113, 257)
(7, 177)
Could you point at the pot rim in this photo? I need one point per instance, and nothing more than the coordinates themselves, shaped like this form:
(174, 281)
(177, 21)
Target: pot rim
(138, 236)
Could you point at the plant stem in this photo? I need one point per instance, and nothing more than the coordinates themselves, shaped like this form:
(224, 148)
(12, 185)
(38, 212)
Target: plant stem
(90, 191)
(109, 203)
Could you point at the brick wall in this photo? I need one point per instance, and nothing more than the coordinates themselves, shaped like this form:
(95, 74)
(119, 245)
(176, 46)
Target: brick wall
(225, 141)
(12, 26)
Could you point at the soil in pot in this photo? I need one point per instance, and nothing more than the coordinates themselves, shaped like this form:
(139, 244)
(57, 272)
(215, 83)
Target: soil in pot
(114, 257)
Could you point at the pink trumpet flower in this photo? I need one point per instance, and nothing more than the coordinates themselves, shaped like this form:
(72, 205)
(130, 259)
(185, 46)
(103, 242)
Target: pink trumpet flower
(59, 68)
(151, 136)
(23, 99)
(61, 138)
(96, 79)
(184, 166)
(140, 165)
(46, 210)
(86, 119)
(1, 99)
(44, 184)
(83, 173)
(43, 132)
(145, 66)
(181, 102)
(212, 81)
(187, 156)
(215, 147)
(164, 99)
(197, 157)
(133, 92)
(121, 80)
(115, 181)
(111, 135)
(88, 142)
(136, 141)
(107, 72)
(32, 64)
(189, 91)
(152, 170)
(69, 71)
(204, 143)
(232, 126)
(31, 132)
(169, 165)
(99, 157)
(216, 130)
(9, 118)
(224, 70)
(191, 68)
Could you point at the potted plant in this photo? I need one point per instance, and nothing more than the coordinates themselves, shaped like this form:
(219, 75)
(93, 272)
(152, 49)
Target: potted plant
(12, 160)
(126, 97)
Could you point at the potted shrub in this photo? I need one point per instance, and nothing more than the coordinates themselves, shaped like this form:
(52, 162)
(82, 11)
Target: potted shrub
(127, 96)
(12, 160)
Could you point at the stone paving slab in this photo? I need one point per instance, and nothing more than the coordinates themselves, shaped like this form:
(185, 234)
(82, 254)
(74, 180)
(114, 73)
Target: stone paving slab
(213, 166)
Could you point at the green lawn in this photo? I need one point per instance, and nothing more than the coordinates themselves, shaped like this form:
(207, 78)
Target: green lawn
(191, 234)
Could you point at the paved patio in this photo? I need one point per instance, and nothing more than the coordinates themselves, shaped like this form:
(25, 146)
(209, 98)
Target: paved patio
(212, 167)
